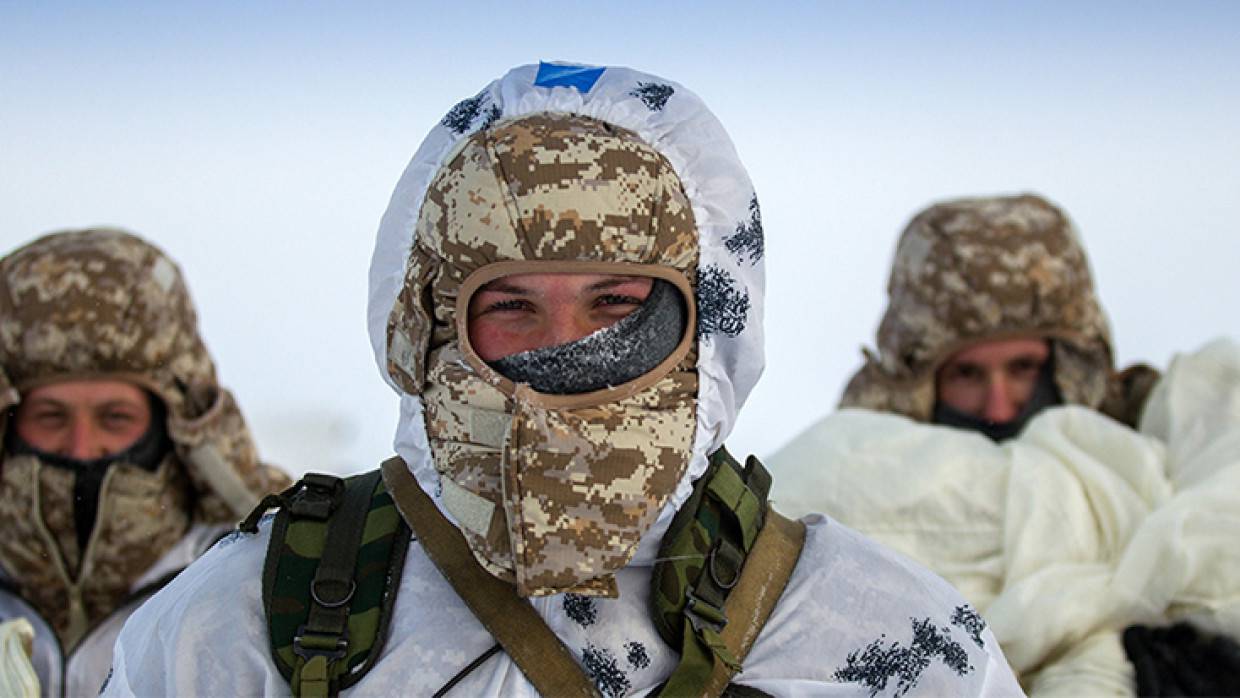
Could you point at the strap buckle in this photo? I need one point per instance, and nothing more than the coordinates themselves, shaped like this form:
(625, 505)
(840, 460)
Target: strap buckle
(703, 615)
(318, 496)
(333, 647)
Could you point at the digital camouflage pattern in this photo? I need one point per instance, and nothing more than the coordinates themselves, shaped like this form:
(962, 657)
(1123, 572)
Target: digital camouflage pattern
(142, 514)
(551, 492)
(979, 269)
(104, 304)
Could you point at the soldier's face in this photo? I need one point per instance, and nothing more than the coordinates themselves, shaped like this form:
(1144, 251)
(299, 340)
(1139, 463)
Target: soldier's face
(992, 380)
(83, 419)
(520, 312)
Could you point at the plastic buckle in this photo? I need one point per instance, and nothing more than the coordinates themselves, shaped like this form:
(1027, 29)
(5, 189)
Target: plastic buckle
(338, 652)
(317, 497)
(713, 618)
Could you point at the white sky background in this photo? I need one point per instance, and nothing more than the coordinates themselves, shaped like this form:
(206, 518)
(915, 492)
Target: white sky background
(259, 143)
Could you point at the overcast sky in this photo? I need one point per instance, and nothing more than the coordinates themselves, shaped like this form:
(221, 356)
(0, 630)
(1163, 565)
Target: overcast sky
(258, 143)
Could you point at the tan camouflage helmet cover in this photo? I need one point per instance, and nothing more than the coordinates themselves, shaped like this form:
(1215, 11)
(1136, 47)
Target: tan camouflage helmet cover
(980, 269)
(101, 303)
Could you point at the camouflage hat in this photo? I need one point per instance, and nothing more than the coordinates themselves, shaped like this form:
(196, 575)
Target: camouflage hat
(971, 270)
(101, 303)
(547, 193)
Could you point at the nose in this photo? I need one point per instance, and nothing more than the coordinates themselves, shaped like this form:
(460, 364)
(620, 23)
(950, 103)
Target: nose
(999, 407)
(566, 326)
(82, 443)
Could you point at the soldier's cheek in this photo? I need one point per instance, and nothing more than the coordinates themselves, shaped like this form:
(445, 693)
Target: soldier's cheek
(496, 338)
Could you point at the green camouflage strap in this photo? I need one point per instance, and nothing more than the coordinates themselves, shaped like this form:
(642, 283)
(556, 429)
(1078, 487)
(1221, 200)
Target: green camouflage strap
(333, 566)
(702, 575)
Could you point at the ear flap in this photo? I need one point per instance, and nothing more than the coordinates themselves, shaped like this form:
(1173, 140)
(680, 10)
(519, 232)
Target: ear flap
(1082, 371)
(9, 397)
(411, 323)
(872, 388)
(219, 455)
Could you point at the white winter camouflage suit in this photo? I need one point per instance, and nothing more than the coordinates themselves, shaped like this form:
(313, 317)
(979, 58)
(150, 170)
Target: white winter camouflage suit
(854, 619)
(1118, 508)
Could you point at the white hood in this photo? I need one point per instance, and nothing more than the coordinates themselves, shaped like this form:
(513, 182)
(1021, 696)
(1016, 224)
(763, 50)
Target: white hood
(676, 123)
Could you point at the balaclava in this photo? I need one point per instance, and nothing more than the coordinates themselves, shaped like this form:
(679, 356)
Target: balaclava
(555, 477)
(103, 304)
(549, 193)
(972, 270)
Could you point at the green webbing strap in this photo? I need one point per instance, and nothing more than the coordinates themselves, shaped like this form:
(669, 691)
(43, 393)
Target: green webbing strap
(750, 603)
(510, 619)
(730, 490)
(322, 644)
(736, 528)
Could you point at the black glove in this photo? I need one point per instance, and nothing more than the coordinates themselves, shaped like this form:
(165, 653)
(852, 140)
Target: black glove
(1181, 661)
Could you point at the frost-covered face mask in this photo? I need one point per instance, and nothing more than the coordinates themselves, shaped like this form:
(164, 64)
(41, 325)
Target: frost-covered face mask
(608, 357)
(552, 489)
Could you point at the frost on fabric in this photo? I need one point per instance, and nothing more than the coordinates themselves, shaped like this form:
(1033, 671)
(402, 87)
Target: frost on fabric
(610, 356)
(605, 670)
(723, 306)
(879, 663)
(653, 94)
(971, 621)
(748, 243)
(580, 609)
(461, 117)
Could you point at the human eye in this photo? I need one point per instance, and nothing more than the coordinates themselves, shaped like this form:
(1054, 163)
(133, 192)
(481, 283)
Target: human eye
(617, 299)
(966, 373)
(118, 419)
(50, 418)
(506, 305)
(1025, 366)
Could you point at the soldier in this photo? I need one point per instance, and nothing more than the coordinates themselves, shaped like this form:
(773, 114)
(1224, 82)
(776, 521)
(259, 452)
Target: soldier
(1050, 530)
(992, 318)
(124, 458)
(566, 292)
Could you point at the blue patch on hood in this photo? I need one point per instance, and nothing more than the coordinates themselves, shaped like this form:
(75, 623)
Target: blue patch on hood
(579, 77)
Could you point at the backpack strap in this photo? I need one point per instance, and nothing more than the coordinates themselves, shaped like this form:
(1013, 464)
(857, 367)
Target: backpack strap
(333, 566)
(726, 556)
(510, 619)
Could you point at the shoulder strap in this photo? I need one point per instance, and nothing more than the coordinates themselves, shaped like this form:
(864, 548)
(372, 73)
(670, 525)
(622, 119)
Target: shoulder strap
(510, 619)
(330, 579)
(722, 567)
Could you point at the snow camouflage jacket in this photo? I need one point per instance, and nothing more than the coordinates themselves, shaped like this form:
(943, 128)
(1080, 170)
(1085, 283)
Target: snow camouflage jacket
(664, 193)
(1065, 535)
(102, 303)
(992, 268)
